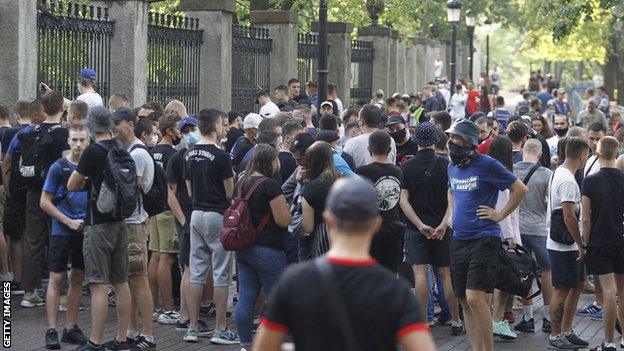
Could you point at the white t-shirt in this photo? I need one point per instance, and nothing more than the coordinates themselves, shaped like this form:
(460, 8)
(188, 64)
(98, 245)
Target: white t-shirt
(145, 170)
(268, 109)
(92, 99)
(591, 166)
(458, 106)
(510, 225)
(552, 145)
(340, 107)
(358, 149)
(437, 65)
(564, 189)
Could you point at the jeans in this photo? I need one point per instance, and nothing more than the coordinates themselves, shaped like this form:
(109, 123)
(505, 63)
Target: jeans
(258, 267)
(436, 293)
(291, 247)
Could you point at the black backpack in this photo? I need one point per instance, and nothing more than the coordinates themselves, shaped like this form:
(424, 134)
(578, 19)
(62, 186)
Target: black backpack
(155, 200)
(515, 272)
(66, 171)
(119, 194)
(36, 156)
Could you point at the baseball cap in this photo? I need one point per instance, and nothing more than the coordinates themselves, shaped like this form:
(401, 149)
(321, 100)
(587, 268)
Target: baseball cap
(426, 134)
(327, 135)
(188, 121)
(99, 120)
(327, 103)
(88, 73)
(467, 130)
(395, 120)
(352, 199)
(123, 114)
(252, 121)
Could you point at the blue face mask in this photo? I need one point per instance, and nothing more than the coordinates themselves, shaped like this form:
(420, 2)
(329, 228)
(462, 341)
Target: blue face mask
(192, 138)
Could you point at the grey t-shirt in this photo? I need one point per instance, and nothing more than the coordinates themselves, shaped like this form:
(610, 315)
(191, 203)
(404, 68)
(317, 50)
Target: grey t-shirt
(145, 170)
(534, 206)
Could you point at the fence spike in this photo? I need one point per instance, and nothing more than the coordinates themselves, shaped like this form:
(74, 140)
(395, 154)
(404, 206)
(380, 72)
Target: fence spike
(52, 6)
(191, 22)
(168, 20)
(84, 11)
(106, 13)
(196, 23)
(149, 17)
(99, 13)
(91, 11)
(76, 10)
(70, 6)
(186, 22)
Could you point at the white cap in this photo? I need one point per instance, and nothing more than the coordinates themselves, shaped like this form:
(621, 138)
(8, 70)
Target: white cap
(252, 121)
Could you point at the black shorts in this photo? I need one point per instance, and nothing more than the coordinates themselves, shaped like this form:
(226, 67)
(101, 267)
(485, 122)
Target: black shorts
(601, 260)
(473, 264)
(567, 272)
(14, 216)
(421, 251)
(386, 248)
(184, 239)
(64, 249)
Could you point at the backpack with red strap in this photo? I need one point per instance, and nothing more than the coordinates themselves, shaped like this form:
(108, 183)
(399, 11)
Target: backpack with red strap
(238, 231)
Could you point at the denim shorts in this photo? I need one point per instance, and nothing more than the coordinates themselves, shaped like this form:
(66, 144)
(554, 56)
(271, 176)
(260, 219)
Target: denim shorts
(536, 245)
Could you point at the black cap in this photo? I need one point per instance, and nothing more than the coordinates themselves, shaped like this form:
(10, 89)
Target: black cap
(327, 135)
(467, 130)
(352, 199)
(123, 114)
(395, 120)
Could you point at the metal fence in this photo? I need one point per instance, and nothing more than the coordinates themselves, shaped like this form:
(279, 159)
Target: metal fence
(173, 59)
(362, 54)
(71, 37)
(307, 57)
(251, 48)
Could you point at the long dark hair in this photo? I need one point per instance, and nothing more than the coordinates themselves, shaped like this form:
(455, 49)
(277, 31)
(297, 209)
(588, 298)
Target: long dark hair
(261, 162)
(320, 161)
(501, 149)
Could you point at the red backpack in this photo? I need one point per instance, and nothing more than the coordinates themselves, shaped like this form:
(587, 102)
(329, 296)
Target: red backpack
(238, 231)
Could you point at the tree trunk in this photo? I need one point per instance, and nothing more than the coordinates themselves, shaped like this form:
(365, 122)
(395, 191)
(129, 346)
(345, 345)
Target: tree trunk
(259, 5)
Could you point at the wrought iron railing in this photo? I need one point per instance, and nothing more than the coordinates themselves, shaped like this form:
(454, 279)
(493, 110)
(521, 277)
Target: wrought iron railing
(173, 59)
(71, 37)
(307, 57)
(362, 55)
(251, 48)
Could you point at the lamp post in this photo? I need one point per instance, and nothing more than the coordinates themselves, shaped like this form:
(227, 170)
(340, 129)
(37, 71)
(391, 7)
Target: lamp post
(322, 57)
(453, 8)
(470, 25)
(488, 30)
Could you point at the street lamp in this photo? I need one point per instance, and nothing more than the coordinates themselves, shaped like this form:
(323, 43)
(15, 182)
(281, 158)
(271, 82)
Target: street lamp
(488, 29)
(322, 57)
(470, 25)
(453, 11)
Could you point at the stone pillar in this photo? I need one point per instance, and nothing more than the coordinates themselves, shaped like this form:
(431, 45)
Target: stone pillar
(128, 48)
(339, 58)
(282, 26)
(215, 18)
(423, 62)
(381, 38)
(394, 63)
(401, 69)
(18, 72)
(411, 66)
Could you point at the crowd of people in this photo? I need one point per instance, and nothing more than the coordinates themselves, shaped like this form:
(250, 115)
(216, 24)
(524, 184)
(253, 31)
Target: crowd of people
(341, 226)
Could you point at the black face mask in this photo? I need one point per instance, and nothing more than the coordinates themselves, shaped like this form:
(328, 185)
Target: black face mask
(561, 131)
(176, 141)
(460, 157)
(399, 136)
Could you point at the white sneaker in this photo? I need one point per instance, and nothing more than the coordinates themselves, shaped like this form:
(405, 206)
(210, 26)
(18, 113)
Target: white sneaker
(192, 335)
(169, 317)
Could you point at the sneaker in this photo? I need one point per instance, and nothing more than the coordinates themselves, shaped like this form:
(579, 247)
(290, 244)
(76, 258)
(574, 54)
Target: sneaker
(112, 298)
(31, 300)
(561, 343)
(169, 317)
(525, 326)
(204, 330)
(192, 335)
(574, 339)
(503, 331)
(86, 290)
(89, 347)
(509, 317)
(258, 318)
(546, 326)
(442, 322)
(589, 288)
(457, 328)
(588, 309)
(208, 310)
(74, 336)
(115, 345)
(596, 316)
(141, 343)
(52, 340)
(604, 347)
(157, 312)
(226, 337)
(16, 288)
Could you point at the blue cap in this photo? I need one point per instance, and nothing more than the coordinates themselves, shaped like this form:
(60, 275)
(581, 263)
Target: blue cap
(426, 134)
(188, 121)
(123, 114)
(88, 73)
(352, 199)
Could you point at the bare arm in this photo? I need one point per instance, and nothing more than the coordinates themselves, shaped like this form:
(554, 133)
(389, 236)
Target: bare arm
(229, 188)
(281, 214)
(189, 188)
(6, 173)
(619, 164)
(269, 340)
(48, 207)
(412, 216)
(586, 218)
(76, 182)
(517, 191)
(308, 216)
(174, 204)
(571, 221)
(440, 230)
(417, 341)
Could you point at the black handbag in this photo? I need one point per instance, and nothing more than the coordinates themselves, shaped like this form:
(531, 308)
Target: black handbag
(558, 229)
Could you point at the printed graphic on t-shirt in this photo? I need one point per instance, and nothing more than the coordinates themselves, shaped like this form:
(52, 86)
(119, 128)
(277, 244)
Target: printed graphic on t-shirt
(467, 184)
(388, 190)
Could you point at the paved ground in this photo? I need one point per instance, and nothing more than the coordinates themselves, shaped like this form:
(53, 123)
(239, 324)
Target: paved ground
(29, 326)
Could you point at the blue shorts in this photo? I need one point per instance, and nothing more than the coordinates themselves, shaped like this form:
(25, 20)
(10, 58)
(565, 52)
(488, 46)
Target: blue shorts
(536, 245)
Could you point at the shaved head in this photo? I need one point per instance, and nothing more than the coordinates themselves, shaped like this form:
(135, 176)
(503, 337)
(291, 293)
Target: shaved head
(176, 108)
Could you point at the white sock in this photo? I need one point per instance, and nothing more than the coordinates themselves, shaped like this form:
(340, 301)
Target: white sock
(131, 334)
(528, 312)
(547, 312)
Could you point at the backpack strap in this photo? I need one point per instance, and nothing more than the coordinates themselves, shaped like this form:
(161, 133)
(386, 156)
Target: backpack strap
(432, 165)
(591, 166)
(530, 174)
(265, 219)
(64, 163)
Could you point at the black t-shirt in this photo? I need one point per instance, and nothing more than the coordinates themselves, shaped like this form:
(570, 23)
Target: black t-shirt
(206, 167)
(315, 193)
(287, 165)
(387, 180)
(60, 136)
(92, 164)
(232, 135)
(175, 174)
(162, 153)
(349, 160)
(8, 136)
(605, 189)
(380, 307)
(427, 195)
(406, 151)
(259, 205)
